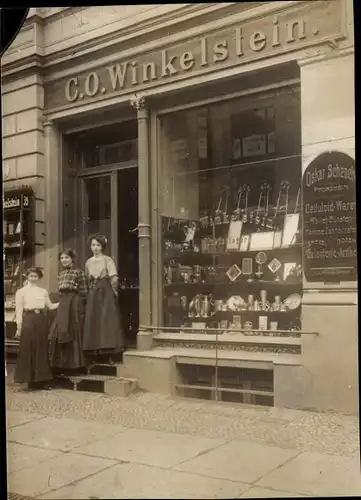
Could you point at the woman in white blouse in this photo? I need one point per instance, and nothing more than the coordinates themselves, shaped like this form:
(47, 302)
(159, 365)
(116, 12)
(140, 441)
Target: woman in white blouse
(103, 332)
(32, 302)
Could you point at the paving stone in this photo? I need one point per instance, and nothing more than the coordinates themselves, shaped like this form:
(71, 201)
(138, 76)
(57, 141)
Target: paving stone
(140, 481)
(55, 473)
(317, 475)
(289, 429)
(151, 448)
(14, 418)
(267, 493)
(20, 456)
(239, 461)
(60, 434)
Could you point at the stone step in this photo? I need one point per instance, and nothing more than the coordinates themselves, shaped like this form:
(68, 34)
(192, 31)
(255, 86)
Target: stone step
(11, 348)
(111, 370)
(110, 385)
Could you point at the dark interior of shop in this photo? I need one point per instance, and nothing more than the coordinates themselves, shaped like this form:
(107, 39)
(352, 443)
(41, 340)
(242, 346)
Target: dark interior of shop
(112, 148)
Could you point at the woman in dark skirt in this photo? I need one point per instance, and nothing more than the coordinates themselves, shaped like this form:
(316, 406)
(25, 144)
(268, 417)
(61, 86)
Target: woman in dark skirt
(32, 301)
(103, 332)
(66, 332)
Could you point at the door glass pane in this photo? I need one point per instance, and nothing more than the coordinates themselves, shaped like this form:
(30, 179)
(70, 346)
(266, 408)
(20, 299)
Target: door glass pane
(128, 263)
(97, 209)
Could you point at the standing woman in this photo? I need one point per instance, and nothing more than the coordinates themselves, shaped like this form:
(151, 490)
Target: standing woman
(32, 365)
(66, 332)
(103, 332)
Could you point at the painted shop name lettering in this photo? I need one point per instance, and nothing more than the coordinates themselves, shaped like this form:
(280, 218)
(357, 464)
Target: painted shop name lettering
(331, 254)
(15, 201)
(332, 172)
(129, 74)
(340, 206)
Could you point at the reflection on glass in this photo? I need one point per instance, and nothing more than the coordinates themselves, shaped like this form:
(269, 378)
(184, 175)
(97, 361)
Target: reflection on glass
(230, 176)
(98, 207)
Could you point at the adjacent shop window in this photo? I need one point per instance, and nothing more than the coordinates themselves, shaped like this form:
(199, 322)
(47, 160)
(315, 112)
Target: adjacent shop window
(230, 209)
(18, 226)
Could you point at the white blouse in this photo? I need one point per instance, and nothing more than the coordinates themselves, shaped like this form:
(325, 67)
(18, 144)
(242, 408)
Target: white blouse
(31, 297)
(98, 267)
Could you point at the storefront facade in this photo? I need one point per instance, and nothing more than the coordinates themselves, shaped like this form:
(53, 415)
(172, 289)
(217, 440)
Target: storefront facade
(215, 117)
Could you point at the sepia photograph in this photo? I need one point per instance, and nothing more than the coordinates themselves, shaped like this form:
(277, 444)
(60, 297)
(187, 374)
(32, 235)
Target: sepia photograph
(180, 278)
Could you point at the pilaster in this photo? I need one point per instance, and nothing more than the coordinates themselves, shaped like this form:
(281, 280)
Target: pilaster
(53, 207)
(144, 338)
(328, 124)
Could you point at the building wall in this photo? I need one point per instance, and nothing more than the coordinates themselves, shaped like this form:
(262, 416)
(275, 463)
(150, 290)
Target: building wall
(30, 143)
(328, 123)
(23, 145)
(59, 42)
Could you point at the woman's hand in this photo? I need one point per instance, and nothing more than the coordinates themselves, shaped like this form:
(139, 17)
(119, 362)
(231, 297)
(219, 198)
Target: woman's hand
(18, 333)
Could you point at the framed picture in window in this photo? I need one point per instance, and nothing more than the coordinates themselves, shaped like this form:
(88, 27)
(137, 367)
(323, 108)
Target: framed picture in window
(262, 240)
(290, 229)
(244, 243)
(254, 145)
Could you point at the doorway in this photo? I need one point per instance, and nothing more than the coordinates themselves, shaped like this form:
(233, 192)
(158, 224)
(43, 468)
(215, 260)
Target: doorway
(109, 205)
(100, 186)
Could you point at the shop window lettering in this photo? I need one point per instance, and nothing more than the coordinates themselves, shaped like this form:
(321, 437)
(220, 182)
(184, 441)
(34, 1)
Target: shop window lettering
(240, 43)
(331, 172)
(15, 202)
(329, 228)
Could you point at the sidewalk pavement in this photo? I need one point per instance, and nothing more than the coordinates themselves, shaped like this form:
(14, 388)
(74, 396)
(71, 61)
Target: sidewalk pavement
(67, 444)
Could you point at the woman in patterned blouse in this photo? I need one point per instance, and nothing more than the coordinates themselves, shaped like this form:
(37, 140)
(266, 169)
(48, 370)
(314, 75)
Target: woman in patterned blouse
(66, 332)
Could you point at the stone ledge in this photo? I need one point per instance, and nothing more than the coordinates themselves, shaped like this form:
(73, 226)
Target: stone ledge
(229, 338)
(222, 358)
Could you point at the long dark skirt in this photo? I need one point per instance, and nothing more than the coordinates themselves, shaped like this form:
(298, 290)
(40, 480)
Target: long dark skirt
(66, 334)
(32, 365)
(103, 332)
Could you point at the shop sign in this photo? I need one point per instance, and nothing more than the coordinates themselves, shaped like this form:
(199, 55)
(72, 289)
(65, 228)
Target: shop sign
(14, 201)
(329, 219)
(267, 36)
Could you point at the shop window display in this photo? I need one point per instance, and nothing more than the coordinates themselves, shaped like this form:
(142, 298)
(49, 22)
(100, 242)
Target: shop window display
(18, 247)
(230, 207)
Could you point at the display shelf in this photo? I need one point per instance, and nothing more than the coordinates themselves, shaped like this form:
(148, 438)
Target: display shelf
(243, 247)
(219, 315)
(14, 246)
(195, 257)
(18, 245)
(237, 283)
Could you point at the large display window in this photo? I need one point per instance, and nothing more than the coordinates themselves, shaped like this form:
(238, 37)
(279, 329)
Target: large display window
(230, 209)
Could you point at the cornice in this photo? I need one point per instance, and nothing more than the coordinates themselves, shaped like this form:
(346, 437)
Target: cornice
(149, 25)
(51, 12)
(32, 64)
(88, 46)
(148, 30)
(43, 15)
(158, 33)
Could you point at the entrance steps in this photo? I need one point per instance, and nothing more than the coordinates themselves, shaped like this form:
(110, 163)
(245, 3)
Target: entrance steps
(106, 384)
(103, 378)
